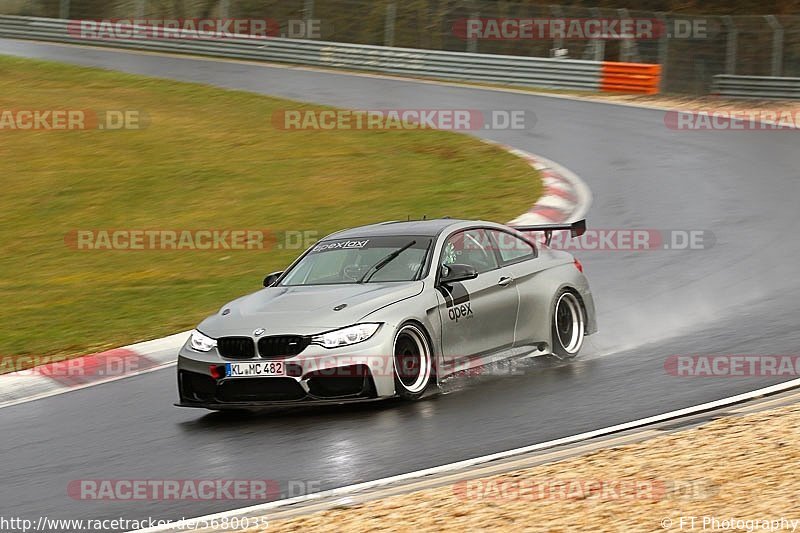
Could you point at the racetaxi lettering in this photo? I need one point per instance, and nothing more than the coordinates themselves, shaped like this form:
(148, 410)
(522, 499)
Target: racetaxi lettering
(340, 245)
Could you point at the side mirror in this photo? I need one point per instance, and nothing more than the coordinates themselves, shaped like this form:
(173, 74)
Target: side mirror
(270, 280)
(457, 272)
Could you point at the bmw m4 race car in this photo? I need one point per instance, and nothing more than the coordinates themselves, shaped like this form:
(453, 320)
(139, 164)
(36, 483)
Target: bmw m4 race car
(387, 310)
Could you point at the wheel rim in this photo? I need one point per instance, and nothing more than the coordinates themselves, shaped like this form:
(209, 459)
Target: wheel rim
(412, 360)
(569, 323)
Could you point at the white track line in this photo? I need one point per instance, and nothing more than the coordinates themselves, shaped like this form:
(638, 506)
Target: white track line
(582, 191)
(85, 385)
(26, 386)
(192, 523)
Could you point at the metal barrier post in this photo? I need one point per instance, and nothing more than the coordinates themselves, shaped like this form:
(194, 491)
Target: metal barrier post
(599, 45)
(663, 50)
(730, 48)
(388, 27)
(63, 9)
(472, 43)
(557, 13)
(628, 47)
(777, 44)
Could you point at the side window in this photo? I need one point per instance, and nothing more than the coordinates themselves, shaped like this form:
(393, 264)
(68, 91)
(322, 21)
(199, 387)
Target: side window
(472, 247)
(512, 249)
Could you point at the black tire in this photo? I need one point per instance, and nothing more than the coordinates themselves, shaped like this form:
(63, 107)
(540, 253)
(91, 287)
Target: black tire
(413, 361)
(569, 325)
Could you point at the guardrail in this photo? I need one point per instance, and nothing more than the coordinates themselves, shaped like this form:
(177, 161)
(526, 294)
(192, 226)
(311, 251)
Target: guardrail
(756, 87)
(484, 68)
(630, 78)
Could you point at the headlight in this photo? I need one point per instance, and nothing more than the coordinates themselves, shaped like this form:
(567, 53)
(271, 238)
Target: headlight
(345, 336)
(201, 343)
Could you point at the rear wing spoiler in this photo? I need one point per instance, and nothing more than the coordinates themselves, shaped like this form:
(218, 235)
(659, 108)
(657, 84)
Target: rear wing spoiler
(576, 229)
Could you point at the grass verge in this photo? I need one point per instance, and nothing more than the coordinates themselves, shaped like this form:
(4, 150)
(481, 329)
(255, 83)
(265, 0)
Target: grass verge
(208, 159)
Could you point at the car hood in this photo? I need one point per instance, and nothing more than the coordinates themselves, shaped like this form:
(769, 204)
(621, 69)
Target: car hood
(305, 310)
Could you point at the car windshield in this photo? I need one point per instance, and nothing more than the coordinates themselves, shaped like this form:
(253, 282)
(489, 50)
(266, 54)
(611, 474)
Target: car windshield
(366, 260)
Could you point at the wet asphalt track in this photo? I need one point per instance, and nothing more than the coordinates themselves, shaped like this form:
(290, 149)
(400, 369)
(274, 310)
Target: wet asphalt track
(739, 296)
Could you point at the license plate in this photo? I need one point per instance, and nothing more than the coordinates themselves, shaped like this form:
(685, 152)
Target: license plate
(258, 369)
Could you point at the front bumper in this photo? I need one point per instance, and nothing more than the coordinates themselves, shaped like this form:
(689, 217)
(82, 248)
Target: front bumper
(317, 375)
(242, 406)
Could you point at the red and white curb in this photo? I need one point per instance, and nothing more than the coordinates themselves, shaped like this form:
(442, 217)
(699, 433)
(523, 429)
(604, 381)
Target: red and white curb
(566, 198)
(62, 376)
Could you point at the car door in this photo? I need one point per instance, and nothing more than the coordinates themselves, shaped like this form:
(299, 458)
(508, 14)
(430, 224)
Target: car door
(519, 260)
(478, 315)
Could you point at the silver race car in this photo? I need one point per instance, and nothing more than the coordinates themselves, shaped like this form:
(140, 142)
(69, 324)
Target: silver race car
(388, 310)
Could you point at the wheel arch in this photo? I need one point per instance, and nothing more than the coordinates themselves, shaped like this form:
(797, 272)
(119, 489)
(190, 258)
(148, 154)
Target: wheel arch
(562, 288)
(435, 352)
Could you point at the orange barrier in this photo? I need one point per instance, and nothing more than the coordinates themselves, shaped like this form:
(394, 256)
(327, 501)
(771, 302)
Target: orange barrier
(641, 78)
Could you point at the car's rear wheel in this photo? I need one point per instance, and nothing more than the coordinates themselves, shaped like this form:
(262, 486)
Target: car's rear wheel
(569, 326)
(412, 362)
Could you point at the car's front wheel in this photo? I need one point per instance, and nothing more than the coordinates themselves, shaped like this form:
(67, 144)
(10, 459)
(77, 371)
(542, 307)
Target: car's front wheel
(569, 326)
(412, 362)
